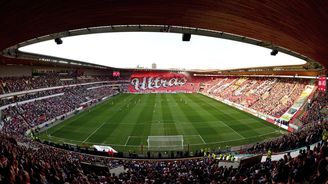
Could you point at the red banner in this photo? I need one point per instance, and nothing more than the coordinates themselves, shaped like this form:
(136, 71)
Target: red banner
(165, 82)
(322, 83)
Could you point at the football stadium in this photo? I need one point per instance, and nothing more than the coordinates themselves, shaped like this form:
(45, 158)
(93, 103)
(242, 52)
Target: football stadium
(163, 92)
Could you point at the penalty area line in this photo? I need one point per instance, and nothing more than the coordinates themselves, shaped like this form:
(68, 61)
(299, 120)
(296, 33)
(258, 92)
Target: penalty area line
(241, 136)
(201, 138)
(93, 132)
(127, 140)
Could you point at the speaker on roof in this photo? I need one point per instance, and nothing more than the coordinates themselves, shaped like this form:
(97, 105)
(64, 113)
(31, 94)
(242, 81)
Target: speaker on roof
(186, 37)
(274, 52)
(58, 41)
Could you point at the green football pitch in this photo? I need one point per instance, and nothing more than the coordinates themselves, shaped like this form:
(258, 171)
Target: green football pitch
(125, 121)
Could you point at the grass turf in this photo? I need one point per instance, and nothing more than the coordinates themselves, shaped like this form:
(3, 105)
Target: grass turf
(126, 120)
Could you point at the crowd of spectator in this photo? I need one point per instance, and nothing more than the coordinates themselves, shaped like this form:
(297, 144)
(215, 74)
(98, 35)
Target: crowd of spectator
(13, 122)
(21, 117)
(15, 84)
(281, 97)
(313, 109)
(34, 162)
(308, 166)
(28, 96)
(272, 96)
(313, 118)
(37, 163)
(43, 93)
(26, 161)
(290, 141)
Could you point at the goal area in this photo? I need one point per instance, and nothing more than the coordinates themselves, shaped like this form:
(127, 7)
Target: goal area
(165, 143)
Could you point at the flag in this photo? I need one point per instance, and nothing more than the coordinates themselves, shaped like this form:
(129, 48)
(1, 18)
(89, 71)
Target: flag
(107, 149)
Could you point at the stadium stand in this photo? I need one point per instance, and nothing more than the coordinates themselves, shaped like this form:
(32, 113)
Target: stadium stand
(47, 92)
(271, 96)
(15, 84)
(36, 112)
(313, 109)
(28, 161)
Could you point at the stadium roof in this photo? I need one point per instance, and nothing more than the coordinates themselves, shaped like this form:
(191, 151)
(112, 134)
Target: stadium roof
(298, 26)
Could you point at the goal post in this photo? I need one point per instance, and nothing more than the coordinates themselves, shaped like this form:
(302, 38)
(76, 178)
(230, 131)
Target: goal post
(165, 143)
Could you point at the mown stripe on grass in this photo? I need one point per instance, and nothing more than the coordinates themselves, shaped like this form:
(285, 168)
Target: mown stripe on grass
(83, 123)
(157, 125)
(222, 132)
(194, 116)
(238, 121)
(71, 122)
(200, 120)
(230, 120)
(169, 129)
(178, 116)
(207, 111)
(144, 117)
(123, 130)
(112, 120)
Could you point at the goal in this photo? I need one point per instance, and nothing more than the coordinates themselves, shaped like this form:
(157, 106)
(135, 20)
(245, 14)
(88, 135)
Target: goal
(165, 143)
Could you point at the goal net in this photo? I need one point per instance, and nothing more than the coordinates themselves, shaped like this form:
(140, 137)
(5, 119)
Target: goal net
(165, 143)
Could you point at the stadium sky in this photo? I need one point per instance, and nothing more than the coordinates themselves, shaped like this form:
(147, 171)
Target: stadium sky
(167, 50)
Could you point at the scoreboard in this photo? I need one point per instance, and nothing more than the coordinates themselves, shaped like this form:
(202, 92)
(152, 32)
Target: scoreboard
(322, 84)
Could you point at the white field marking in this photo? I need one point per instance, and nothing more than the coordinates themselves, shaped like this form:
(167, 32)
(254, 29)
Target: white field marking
(109, 144)
(231, 140)
(233, 130)
(62, 139)
(131, 136)
(202, 139)
(74, 141)
(127, 140)
(193, 135)
(93, 132)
